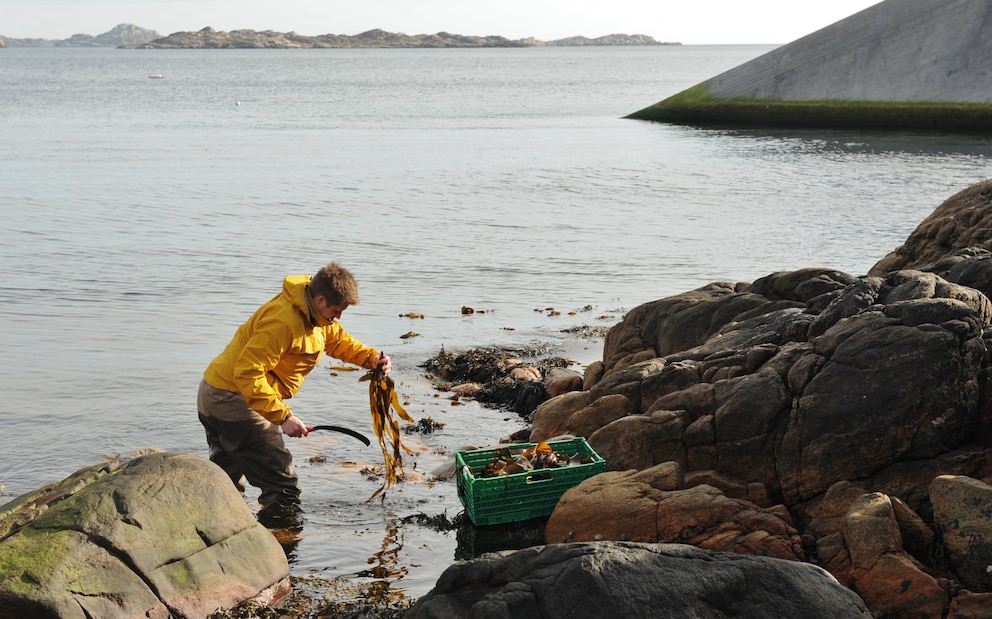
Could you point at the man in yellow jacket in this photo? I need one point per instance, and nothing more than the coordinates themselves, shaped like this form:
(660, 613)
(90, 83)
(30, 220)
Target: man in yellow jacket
(242, 397)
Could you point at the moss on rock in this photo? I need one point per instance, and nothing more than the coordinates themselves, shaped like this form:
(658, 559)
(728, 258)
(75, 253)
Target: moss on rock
(697, 106)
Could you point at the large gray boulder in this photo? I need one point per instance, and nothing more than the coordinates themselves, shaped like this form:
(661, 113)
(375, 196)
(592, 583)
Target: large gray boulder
(161, 535)
(627, 579)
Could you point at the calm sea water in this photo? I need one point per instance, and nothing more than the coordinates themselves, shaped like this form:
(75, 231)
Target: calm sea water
(144, 219)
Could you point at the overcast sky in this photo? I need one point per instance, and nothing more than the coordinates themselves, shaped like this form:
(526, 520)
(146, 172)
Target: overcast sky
(685, 21)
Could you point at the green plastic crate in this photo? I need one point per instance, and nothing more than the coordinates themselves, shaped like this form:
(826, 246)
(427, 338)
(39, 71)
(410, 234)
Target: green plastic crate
(520, 496)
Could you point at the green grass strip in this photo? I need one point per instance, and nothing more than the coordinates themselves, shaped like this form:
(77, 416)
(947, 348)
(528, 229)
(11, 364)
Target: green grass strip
(696, 106)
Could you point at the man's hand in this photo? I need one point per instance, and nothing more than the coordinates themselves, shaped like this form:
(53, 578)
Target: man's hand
(294, 427)
(383, 362)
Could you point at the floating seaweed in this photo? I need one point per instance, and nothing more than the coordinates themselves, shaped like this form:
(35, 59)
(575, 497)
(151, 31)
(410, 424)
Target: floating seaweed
(426, 425)
(382, 398)
(586, 331)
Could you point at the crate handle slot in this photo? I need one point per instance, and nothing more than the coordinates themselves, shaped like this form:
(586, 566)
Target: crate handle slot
(537, 478)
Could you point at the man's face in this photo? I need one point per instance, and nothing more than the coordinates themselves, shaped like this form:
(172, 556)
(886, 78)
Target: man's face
(330, 311)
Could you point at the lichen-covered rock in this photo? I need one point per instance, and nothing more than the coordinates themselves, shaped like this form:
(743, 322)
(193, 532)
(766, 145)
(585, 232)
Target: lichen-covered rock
(161, 535)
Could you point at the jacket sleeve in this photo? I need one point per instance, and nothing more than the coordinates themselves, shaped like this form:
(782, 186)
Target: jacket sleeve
(341, 345)
(261, 354)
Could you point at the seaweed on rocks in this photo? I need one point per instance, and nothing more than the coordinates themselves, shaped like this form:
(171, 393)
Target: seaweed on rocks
(424, 425)
(493, 370)
(480, 365)
(338, 598)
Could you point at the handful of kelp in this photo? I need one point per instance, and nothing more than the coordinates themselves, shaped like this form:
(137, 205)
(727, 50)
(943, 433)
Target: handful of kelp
(382, 397)
(539, 456)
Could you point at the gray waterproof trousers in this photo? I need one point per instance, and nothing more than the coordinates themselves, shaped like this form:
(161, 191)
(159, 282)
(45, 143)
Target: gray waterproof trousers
(247, 446)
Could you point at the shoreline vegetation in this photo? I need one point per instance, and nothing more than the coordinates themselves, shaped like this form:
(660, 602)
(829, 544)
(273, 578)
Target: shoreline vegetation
(697, 106)
(128, 36)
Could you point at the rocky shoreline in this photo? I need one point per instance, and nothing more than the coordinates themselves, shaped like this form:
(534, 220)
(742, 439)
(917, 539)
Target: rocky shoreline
(812, 443)
(813, 416)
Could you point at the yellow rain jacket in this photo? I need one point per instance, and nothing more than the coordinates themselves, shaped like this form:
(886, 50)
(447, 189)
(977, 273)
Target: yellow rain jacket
(274, 350)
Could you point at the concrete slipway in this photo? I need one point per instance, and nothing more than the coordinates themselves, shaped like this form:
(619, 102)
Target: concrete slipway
(900, 64)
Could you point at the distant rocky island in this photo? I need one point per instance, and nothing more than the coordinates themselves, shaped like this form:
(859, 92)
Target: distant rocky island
(132, 37)
(121, 35)
(208, 38)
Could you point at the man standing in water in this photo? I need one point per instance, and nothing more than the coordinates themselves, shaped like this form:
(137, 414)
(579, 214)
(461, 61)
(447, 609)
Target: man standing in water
(241, 401)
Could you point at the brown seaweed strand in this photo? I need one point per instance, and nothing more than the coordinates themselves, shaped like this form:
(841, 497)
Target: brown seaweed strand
(382, 397)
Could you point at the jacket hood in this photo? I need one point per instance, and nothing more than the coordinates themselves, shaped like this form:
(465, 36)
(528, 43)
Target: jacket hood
(296, 288)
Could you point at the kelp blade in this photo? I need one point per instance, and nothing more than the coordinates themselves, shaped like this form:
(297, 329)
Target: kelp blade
(383, 398)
